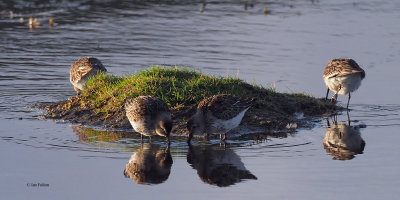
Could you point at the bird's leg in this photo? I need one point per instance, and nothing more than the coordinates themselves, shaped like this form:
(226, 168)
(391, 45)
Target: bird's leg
(167, 149)
(222, 143)
(334, 119)
(150, 139)
(222, 138)
(348, 117)
(168, 141)
(341, 134)
(327, 93)
(334, 98)
(206, 137)
(141, 138)
(348, 100)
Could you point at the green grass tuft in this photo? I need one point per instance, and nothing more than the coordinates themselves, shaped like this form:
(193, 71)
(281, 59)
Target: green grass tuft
(177, 87)
(101, 102)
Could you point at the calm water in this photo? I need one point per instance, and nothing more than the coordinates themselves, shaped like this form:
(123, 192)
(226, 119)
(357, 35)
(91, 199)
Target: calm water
(286, 49)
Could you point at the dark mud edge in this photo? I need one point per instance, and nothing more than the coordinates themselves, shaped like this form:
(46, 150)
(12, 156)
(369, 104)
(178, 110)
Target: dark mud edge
(257, 119)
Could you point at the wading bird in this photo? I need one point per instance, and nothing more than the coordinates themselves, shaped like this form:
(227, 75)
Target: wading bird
(217, 115)
(149, 116)
(342, 76)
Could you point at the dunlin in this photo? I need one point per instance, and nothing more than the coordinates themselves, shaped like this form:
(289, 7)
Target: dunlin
(82, 69)
(149, 116)
(342, 76)
(217, 115)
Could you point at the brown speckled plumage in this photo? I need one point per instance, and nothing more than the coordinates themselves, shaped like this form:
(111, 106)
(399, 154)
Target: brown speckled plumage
(218, 114)
(149, 115)
(224, 106)
(342, 76)
(82, 69)
(142, 106)
(342, 67)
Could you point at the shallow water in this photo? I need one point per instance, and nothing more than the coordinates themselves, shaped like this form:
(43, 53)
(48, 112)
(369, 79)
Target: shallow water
(286, 49)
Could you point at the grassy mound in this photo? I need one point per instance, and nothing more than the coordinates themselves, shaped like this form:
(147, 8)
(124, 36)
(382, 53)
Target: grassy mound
(101, 103)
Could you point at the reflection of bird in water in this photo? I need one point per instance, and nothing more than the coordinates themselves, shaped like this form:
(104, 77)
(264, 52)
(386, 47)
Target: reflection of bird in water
(149, 116)
(342, 76)
(343, 141)
(218, 114)
(51, 21)
(151, 164)
(82, 69)
(220, 167)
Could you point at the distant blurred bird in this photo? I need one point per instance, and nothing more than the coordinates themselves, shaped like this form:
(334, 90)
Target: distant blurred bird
(33, 23)
(82, 69)
(266, 11)
(247, 4)
(342, 76)
(203, 6)
(11, 13)
(51, 21)
(149, 116)
(204, 3)
(218, 114)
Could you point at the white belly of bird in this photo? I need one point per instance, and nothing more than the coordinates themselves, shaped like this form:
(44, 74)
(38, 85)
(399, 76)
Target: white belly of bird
(80, 84)
(223, 126)
(140, 128)
(344, 84)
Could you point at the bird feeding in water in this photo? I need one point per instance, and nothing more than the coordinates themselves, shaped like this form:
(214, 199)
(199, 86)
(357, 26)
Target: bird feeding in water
(149, 116)
(218, 114)
(342, 76)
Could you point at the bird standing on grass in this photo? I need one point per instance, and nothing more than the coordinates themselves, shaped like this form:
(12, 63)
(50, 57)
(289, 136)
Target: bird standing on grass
(82, 69)
(342, 76)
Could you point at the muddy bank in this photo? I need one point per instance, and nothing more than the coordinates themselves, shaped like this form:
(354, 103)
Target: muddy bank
(283, 116)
